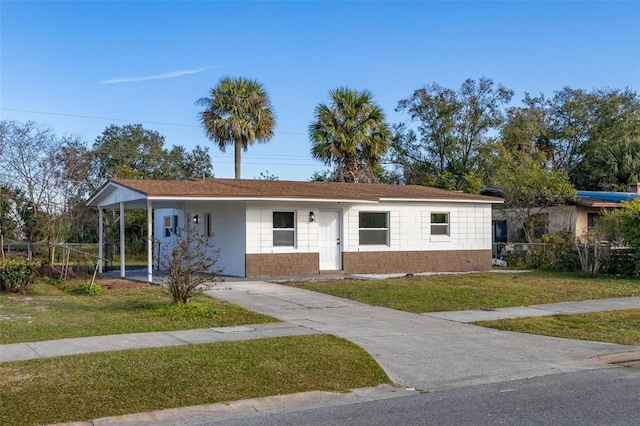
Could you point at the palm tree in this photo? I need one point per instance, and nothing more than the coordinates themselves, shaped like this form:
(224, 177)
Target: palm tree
(351, 133)
(238, 111)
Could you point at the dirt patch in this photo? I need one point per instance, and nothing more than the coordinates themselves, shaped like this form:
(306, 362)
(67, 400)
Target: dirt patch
(116, 284)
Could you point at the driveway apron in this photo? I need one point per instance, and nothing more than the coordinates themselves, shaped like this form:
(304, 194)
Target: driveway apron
(415, 350)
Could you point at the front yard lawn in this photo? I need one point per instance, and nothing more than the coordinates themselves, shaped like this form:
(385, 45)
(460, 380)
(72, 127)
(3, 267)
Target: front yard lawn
(48, 313)
(621, 326)
(84, 387)
(457, 292)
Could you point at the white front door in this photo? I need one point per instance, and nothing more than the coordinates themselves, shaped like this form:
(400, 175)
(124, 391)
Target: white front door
(330, 253)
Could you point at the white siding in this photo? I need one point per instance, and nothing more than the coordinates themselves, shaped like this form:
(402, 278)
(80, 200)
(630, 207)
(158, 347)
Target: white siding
(247, 227)
(410, 226)
(228, 227)
(260, 227)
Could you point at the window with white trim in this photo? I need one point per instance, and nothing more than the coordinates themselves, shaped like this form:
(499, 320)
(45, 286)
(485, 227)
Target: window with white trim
(373, 228)
(440, 224)
(284, 228)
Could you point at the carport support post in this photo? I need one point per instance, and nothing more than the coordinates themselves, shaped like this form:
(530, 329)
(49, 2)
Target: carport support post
(100, 239)
(149, 242)
(122, 266)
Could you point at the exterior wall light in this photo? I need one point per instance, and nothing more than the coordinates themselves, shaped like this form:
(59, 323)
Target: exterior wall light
(312, 217)
(195, 219)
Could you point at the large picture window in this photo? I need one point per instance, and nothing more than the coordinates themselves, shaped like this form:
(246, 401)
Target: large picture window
(440, 224)
(373, 228)
(284, 229)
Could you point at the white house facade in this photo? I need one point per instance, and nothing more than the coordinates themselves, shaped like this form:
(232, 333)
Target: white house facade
(280, 228)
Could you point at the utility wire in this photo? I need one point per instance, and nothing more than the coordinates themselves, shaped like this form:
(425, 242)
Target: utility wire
(119, 119)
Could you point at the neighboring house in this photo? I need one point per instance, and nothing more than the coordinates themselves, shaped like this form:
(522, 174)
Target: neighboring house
(580, 216)
(279, 228)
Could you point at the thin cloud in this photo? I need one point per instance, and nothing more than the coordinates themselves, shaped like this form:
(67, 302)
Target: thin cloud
(172, 74)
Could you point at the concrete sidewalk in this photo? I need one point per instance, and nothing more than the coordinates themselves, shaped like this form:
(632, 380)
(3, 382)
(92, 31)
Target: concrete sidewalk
(549, 309)
(61, 347)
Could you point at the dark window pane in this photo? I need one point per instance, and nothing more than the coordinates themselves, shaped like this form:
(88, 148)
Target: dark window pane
(501, 231)
(283, 220)
(439, 218)
(372, 220)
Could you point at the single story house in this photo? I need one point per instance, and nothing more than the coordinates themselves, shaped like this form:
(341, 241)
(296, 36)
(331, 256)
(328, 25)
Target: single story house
(579, 216)
(278, 228)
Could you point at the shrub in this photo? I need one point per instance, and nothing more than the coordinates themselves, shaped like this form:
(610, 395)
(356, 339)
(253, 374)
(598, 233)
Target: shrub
(16, 274)
(623, 226)
(189, 264)
(86, 289)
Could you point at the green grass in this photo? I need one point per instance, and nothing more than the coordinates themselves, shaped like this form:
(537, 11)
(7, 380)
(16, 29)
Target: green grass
(621, 327)
(475, 291)
(84, 387)
(48, 313)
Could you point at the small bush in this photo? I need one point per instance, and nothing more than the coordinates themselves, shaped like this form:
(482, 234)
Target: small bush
(86, 289)
(190, 263)
(556, 254)
(16, 274)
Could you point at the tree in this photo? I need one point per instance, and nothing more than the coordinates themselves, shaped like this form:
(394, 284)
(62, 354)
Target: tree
(530, 188)
(128, 151)
(617, 164)
(453, 127)
(180, 163)
(238, 111)
(435, 108)
(350, 132)
(31, 170)
(526, 130)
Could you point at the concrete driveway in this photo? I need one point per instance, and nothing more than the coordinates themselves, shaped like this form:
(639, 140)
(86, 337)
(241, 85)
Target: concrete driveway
(420, 351)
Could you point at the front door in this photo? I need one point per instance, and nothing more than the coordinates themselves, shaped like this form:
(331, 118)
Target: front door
(330, 253)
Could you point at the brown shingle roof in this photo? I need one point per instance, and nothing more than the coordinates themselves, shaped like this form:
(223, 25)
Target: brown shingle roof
(274, 189)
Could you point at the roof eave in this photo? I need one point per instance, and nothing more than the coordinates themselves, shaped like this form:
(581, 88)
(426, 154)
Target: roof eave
(446, 200)
(289, 199)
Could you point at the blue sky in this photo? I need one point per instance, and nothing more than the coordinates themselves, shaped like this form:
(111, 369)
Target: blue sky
(78, 66)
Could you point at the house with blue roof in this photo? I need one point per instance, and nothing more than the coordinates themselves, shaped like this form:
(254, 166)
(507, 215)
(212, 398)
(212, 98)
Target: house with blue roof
(580, 216)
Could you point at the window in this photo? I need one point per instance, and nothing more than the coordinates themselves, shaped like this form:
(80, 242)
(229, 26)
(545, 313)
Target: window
(541, 224)
(170, 225)
(284, 229)
(167, 226)
(500, 231)
(440, 224)
(373, 228)
(592, 220)
(208, 226)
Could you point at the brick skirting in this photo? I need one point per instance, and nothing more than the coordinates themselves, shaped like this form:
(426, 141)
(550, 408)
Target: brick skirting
(388, 262)
(281, 264)
(371, 262)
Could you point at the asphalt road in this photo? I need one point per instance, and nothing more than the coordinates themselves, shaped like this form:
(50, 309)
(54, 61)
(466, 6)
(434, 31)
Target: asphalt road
(594, 397)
